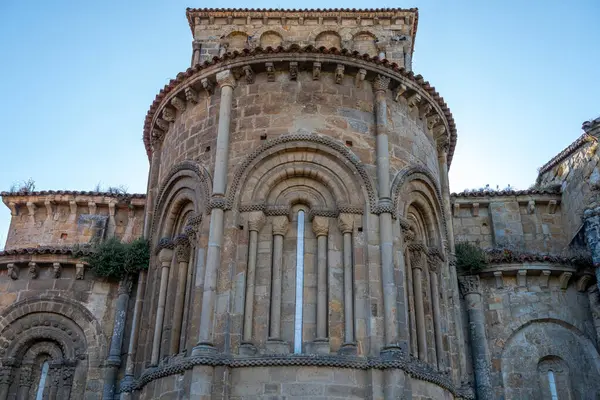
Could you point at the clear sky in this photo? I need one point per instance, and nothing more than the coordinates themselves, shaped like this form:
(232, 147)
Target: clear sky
(77, 78)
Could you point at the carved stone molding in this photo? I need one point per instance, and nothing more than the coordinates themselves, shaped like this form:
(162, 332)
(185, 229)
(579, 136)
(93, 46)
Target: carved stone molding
(469, 284)
(256, 221)
(191, 95)
(346, 223)
(225, 78)
(280, 225)
(320, 226)
(381, 83)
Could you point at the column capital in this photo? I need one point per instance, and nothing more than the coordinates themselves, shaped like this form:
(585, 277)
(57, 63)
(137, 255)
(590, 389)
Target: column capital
(164, 256)
(256, 220)
(469, 284)
(320, 226)
(346, 223)
(182, 248)
(381, 83)
(226, 78)
(417, 250)
(280, 225)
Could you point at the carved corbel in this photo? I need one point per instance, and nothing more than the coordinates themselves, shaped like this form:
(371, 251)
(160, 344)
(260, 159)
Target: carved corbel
(157, 135)
(399, 92)
(13, 208)
(211, 20)
(316, 71)
(31, 209)
(168, 114)
(544, 278)
(283, 21)
(425, 109)
(13, 271)
(111, 208)
(531, 207)
(300, 20)
(499, 279)
(522, 278)
(56, 270)
(191, 95)
(339, 73)
(34, 271)
(249, 74)
(583, 282)
(73, 207)
(564, 279)
(432, 120)
(475, 209)
(92, 207)
(439, 131)
(414, 101)
(360, 77)
(270, 71)
(456, 209)
(293, 70)
(49, 204)
(208, 86)
(552, 204)
(162, 124)
(79, 271)
(178, 103)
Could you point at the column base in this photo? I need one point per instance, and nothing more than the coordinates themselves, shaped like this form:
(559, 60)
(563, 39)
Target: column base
(277, 346)
(348, 349)
(392, 351)
(247, 349)
(202, 349)
(126, 384)
(318, 346)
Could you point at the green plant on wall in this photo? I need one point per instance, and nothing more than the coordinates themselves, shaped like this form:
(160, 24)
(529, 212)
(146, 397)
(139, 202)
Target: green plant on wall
(114, 259)
(470, 258)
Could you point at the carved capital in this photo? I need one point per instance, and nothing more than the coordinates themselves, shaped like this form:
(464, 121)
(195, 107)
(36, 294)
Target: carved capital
(345, 223)
(25, 375)
(248, 73)
(164, 256)
(280, 225)
(56, 270)
(339, 73)
(225, 78)
(320, 226)
(6, 375)
(79, 271)
(381, 83)
(443, 146)
(270, 68)
(182, 248)
(178, 103)
(469, 284)
(293, 70)
(256, 220)
(432, 120)
(316, 71)
(13, 271)
(34, 271)
(208, 86)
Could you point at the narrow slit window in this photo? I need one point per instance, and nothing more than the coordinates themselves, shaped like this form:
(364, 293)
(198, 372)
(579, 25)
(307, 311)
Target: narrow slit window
(299, 283)
(43, 375)
(552, 383)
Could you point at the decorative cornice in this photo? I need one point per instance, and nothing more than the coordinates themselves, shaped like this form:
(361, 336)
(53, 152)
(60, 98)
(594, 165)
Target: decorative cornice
(80, 250)
(415, 84)
(498, 193)
(74, 193)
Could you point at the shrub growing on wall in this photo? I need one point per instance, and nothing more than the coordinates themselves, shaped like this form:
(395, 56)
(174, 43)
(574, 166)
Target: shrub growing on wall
(114, 259)
(470, 258)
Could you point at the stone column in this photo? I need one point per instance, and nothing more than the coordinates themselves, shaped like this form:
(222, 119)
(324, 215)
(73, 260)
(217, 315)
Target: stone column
(320, 226)
(443, 148)
(55, 378)
(256, 220)
(67, 382)
(416, 263)
(434, 269)
(275, 344)
(6, 377)
(226, 82)
(471, 291)
(113, 362)
(152, 184)
(25, 381)
(164, 256)
(196, 47)
(385, 208)
(127, 382)
(346, 225)
(591, 219)
(182, 254)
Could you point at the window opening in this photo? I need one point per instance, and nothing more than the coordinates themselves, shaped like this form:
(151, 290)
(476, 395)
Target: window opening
(299, 283)
(552, 382)
(42, 384)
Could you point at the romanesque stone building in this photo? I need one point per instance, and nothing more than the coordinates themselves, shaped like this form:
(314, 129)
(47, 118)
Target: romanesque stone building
(302, 238)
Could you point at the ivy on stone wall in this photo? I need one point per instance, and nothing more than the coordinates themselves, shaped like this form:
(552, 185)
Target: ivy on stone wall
(114, 259)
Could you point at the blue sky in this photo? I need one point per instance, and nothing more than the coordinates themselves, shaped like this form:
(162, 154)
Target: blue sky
(78, 77)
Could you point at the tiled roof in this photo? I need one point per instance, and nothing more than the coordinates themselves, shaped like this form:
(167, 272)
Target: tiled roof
(74, 193)
(65, 250)
(495, 193)
(190, 72)
(573, 147)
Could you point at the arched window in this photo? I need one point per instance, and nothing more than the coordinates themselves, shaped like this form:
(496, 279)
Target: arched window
(299, 281)
(42, 381)
(554, 378)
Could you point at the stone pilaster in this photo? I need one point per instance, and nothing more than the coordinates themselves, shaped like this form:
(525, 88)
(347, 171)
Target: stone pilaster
(182, 255)
(471, 290)
(164, 256)
(275, 344)
(113, 362)
(320, 226)
(226, 82)
(417, 263)
(346, 226)
(256, 221)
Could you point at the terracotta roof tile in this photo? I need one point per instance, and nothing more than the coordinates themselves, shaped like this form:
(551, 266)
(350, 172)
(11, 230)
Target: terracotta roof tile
(497, 193)
(570, 149)
(74, 193)
(45, 250)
